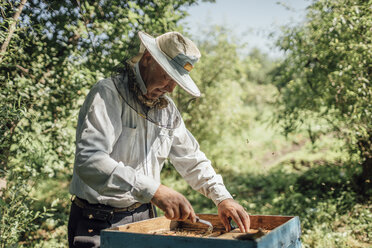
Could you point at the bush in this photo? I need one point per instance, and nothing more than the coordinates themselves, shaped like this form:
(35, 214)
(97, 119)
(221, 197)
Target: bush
(17, 215)
(326, 74)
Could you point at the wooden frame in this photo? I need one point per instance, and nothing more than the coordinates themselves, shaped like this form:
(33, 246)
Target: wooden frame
(282, 231)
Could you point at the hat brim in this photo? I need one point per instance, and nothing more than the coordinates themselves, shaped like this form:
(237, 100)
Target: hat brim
(184, 80)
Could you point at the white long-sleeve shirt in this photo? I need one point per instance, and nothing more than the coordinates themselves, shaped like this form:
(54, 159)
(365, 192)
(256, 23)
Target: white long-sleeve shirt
(119, 154)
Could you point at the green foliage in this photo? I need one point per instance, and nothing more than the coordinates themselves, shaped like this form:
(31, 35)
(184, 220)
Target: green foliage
(324, 196)
(221, 119)
(16, 214)
(52, 193)
(258, 65)
(268, 173)
(219, 113)
(58, 50)
(327, 72)
(63, 50)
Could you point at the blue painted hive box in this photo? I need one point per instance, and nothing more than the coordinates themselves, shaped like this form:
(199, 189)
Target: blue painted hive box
(266, 231)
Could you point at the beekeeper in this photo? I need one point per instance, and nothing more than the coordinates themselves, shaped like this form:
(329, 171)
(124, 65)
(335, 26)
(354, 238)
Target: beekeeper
(127, 128)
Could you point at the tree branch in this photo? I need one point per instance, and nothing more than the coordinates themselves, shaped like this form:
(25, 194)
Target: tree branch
(12, 29)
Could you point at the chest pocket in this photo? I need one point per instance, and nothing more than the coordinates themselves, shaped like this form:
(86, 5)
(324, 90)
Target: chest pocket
(165, 144)
(125, 149)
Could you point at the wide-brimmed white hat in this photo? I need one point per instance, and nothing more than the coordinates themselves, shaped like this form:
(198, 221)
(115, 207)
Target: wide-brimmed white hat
(176, 54)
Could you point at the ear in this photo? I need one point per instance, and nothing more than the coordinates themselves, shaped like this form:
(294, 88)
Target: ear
(146, 58)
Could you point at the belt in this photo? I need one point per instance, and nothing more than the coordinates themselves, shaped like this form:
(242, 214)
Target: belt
(81, 203)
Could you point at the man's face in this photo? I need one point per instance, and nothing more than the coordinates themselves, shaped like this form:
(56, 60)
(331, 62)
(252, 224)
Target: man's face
(156, 79)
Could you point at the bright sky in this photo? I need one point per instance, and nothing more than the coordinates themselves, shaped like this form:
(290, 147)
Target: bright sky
(251, 21)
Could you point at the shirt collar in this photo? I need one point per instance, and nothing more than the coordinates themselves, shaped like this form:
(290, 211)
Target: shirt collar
(140, 82)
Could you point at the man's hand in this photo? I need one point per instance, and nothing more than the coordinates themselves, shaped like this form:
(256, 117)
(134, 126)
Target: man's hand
(174, 205)
(230, 208)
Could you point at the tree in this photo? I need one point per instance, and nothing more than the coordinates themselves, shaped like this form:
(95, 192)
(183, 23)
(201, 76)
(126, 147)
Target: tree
(218, 119)
(16, 216)
(327, 73)
(50, 56)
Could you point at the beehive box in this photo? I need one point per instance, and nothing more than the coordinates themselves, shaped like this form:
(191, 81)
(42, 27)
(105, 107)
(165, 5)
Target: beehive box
(266, 231)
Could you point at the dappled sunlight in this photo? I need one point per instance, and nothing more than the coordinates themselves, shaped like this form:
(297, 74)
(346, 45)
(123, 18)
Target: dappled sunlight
(290, 135)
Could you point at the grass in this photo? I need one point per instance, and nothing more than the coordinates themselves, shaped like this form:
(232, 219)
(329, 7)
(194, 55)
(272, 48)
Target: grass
(324, 196)
(292, 175)
(267, 173)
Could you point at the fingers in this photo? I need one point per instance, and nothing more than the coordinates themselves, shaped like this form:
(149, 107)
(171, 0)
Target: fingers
(169, 213)
(245, 219)
(226, 222)
(174, 204)
(182, 212)
(242, 219)
(176, 211)
(230, 208)
(187, 212)
(192, 216)
(235, 216)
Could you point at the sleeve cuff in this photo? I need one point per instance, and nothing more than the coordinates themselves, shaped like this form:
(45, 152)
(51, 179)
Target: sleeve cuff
(219, 195)
(144, 188)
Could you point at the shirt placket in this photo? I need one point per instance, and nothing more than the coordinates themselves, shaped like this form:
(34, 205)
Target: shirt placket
(147, 148)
